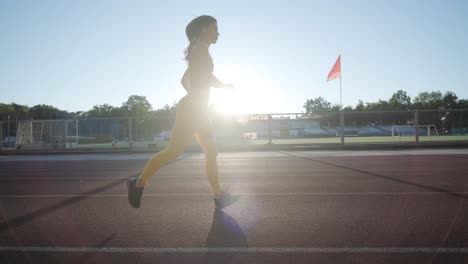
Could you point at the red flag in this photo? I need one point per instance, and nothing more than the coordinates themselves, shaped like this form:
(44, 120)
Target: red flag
(336, 70)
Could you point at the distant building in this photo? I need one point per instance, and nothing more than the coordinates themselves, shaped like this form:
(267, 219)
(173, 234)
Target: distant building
(281, 128)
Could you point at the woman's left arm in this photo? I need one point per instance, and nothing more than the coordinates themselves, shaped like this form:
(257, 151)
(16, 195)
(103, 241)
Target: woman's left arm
(215, 82)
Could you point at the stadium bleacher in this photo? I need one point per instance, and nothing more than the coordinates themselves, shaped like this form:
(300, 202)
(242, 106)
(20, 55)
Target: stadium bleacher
(370, 131)
(330, 131)
(315, 131)
(401, 130)
(460, 131)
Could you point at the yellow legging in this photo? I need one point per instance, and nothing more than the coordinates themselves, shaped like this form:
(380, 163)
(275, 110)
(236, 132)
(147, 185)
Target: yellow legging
(191, 120)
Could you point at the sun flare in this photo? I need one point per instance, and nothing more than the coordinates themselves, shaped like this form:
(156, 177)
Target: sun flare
(252, 93)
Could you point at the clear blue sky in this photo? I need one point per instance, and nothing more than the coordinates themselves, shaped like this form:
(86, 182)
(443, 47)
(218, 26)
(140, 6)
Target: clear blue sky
(77, 54)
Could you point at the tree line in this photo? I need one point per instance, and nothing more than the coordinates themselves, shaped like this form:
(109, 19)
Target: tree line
(135, 106)
(138, 106)
(397, 107)
(399, 101)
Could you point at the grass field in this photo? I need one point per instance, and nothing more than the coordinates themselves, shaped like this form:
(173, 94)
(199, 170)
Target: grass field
(387, 139)
(294, 141)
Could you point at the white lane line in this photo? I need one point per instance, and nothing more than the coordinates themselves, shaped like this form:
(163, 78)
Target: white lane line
(85, 157)
(235, 155)
(235, 250)
(239, 193)
(184, 175)
(188, 176)
(69, 178)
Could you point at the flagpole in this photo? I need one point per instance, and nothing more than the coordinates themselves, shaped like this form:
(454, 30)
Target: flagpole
(341, 94)
(341, 108)
(335, 72)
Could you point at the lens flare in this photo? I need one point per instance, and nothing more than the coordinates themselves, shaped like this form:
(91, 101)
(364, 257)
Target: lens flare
(252, 93)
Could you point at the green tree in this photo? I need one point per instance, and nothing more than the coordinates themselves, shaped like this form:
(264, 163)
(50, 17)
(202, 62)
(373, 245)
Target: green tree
(137, 106)
(347, 108)
(400, 101)
(15, 111)
(380, 105)
(21, 111)
(79, 114)
(6, 110)
(428, 100)
(462, 104)
(43, 111)
(317, 105)
(360, 106)
(449, 101)
(103, 111)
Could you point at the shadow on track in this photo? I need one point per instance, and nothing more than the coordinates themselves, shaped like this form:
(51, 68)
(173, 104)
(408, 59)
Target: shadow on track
(423, 186)
(26, 218)
(225, 232)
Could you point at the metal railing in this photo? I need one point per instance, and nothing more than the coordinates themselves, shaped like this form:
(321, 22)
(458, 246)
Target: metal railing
(395, 127)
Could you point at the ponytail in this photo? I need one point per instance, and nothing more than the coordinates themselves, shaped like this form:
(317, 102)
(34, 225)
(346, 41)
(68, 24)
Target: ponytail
(188, 50)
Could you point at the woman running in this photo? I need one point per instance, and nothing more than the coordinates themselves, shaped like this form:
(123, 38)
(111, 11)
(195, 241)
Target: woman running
(192, 117)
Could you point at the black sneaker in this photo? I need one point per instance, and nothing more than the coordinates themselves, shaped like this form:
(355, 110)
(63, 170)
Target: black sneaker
(225, 199)
(134, 192)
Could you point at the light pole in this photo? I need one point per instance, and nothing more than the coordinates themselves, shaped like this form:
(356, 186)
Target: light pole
(8, 132)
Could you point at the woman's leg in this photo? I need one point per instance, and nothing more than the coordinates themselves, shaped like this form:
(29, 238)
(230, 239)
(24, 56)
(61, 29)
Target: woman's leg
(206, 140)
(181, 134)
